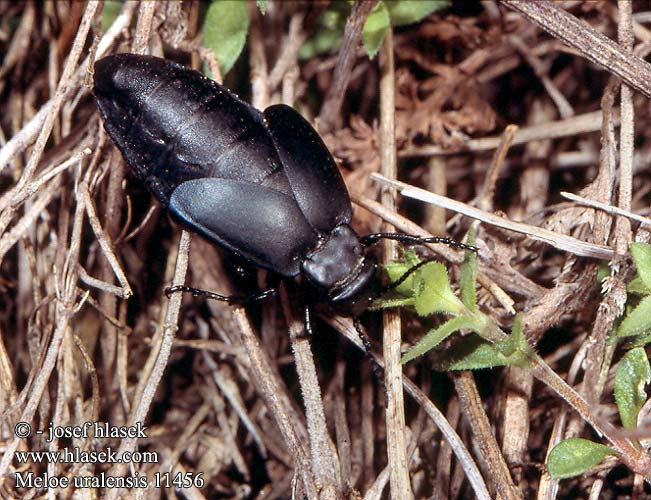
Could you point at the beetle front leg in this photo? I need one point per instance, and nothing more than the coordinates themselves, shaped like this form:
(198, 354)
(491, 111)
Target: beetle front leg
(230, 299)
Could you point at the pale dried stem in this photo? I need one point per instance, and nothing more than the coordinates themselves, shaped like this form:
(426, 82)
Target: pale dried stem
(268, 386)
(289, 52)
(398, 462)
(104, 242)
(159, 355)
(26, 136)
(606, 208)
(65, 309)
(20, 228)
(561, 241)
(473, 410)
(63, 89)
(325, 464)
(258, 61)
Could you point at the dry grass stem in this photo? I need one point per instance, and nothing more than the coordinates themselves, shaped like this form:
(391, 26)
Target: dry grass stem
(592, 44)
(576, 125)
(346, 328)
(347, 55)
(606, 208)
(395, 410)
(557, 240)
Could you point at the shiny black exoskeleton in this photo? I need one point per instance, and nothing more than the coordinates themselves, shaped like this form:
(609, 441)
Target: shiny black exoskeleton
(260, 184)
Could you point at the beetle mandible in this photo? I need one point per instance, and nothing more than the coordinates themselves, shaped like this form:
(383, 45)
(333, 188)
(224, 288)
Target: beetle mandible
(262, 185)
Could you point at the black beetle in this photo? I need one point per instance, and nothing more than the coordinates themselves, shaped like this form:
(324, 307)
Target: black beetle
(262, 185)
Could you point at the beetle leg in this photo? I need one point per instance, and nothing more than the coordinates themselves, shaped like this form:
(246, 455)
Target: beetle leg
(378, 370)
(307, 317)
(407, 239)
(368, 346)
(154, 185)
(230, 299)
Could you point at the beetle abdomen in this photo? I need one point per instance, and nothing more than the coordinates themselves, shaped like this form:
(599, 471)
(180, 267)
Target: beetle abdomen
(172, 125)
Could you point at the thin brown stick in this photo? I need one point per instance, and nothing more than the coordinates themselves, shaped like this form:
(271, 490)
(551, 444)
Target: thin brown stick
(580, 124)
(485, 201)
(626, 134)
(594, 45)
(25, 138)
(325, 465)
(343, 70)
(468, 465)
(160, 353)
(473, 411)
(143, 28)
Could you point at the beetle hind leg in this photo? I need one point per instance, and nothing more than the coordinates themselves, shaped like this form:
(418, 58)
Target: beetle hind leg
(376, 367)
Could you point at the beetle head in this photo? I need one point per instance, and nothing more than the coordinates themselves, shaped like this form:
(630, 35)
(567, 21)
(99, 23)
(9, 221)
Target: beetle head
(342, 272)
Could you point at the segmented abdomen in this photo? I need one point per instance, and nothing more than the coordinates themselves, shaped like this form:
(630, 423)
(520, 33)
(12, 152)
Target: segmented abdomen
(172, 125)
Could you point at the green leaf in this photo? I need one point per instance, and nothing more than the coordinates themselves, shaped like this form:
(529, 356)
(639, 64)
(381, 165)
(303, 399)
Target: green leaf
(436, 336)
(324, 41)
(404, 12)
(516, 347)
(474, 353)
(603, 271)
(225, 29)
(633, 373)
(642, 258)
(575, 456)
(433, 292)
(637, 287)
(328, 33)
(638, 321)
(262, 6)
(469, 276)
(392, 302)
(375, 28)
(110, 12)
(395, 271)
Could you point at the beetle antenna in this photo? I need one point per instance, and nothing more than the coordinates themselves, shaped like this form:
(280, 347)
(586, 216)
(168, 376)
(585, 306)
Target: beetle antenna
(408, 239)
(230, 299)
